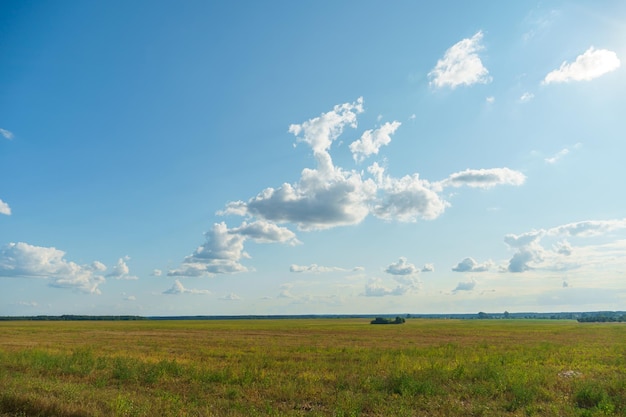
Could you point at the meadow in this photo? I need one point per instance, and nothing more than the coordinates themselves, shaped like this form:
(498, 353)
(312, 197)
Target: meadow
(317, 367)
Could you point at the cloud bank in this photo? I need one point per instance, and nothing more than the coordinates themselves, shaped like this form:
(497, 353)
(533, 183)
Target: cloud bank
(328, 196)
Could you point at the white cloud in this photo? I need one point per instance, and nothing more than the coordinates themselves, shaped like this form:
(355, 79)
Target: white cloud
(526, 97)
(157, 272)
(28, 261)
(484, 178)
(178, 289)
(129, 297)
(490, 99)
(428, 268)
(530, 254)
(220, 254)
(265, 232)
(329, 196)
(402, 267)
(403, 273)
(372, 140)
(375, 288)
(406, 199)
(314, 268)
(28, 303)
(223, 249)
(470, 265)
(461, 65)
(121, 270)
(588, 228)
(6, 134)
(591, 64)
(561, 154)
(231, 297)
(464, 286)
(4, 208)
(325, 197)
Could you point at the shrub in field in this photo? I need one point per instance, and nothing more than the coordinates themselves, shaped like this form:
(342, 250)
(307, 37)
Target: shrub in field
(382, 320)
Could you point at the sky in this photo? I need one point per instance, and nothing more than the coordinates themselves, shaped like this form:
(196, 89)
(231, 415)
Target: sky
(312, 157)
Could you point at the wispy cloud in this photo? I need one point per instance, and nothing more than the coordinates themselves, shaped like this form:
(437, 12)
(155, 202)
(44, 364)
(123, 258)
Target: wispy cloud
(526, 97)
(484, 178)
(560, 154)
(4, 208)
(464, 286)
(315, 269)
(461, 65)
(6, 134)
(231, 297)
(531, 254)
(591, 64)
(178, 289)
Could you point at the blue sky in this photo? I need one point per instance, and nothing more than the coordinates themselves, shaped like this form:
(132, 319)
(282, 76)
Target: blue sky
(164, 158)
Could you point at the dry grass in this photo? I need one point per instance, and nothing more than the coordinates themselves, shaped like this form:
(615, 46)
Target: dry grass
(312, 367)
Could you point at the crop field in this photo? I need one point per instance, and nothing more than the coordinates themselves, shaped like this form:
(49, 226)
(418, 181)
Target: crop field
(317, 367)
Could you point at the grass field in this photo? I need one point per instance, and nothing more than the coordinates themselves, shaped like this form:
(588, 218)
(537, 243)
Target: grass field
(323, 367)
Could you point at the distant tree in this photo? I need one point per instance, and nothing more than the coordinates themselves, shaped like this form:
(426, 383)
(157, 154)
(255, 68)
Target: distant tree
(483, 315)
(507, 315)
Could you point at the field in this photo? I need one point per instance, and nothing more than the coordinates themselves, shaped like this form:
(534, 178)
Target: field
(318, 367)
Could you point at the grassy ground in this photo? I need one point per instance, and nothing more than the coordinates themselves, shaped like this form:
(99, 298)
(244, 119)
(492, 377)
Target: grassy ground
(316, 367)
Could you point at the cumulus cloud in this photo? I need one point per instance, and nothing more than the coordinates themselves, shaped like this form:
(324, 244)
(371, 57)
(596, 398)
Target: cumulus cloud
(223, 248)
(470, 265)
(121, 270)
(29, 261)
(428, 268)
(464, 286)
(4, 208)
(406, 199)
(403, 273)
(178, 289)
(484, 178)
(265, 232)
(329, 196)
(157, 272)
(402, 267)
(314, 268)
(593, 63)
(326, 196)
(461, 65)
(530, 254)
(6, 134)
(372, 140)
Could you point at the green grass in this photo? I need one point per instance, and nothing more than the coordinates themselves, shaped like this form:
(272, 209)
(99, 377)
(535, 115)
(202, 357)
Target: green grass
(322, 367)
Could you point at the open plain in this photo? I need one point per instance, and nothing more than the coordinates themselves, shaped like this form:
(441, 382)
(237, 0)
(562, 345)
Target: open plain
(312, 367)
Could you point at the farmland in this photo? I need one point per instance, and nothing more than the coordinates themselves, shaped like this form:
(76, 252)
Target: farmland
(316, 367)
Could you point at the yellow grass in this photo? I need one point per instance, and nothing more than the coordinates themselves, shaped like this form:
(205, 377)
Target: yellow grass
(320, 367)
